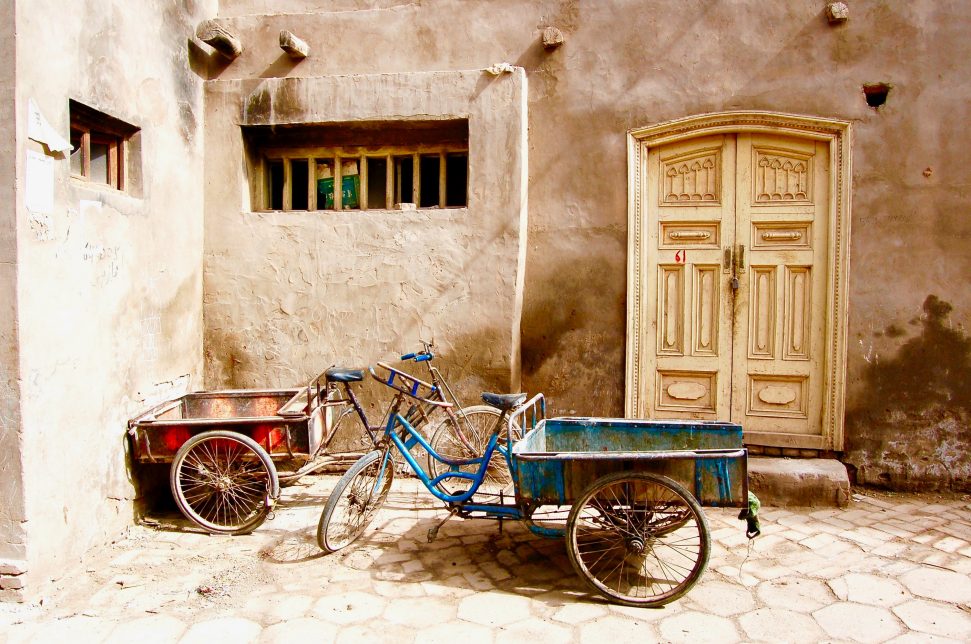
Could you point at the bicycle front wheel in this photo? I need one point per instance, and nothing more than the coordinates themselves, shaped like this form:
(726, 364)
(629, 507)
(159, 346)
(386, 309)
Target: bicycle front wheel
(638, 539)
(356, 498)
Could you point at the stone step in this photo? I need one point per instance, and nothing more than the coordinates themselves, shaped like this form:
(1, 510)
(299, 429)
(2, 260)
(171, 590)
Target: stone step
(799, 482)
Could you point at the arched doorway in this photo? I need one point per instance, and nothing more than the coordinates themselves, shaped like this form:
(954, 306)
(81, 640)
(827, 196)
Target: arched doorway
(737, 272)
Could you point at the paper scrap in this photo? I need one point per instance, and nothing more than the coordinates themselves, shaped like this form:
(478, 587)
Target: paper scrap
(41, 131)
(39, 183)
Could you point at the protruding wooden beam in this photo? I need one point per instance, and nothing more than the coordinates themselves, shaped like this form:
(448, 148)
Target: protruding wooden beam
(219, 38)
(552, 38)
(294, 47)
(837, 12)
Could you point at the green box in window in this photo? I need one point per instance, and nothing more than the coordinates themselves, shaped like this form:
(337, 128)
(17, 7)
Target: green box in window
(349, 195)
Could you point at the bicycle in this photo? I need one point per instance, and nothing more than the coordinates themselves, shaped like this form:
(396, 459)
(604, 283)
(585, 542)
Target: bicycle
(456, 431)
(365, 486)
(633, 534)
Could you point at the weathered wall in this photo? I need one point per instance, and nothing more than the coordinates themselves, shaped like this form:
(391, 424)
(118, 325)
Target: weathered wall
(109, 286)
(291, 293)
(12, 533)
(627, 64)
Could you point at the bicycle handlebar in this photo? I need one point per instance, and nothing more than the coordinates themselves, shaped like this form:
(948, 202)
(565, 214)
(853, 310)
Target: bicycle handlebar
(408, 384)
(421, 356)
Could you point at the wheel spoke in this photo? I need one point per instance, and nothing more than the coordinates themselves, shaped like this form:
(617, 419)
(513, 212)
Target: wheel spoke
(638, 538)
(354, 501)
(222, 481)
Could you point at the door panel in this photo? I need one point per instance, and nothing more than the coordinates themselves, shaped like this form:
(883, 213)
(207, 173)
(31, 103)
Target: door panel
(781, 221)
(692, 202)
(753, 208)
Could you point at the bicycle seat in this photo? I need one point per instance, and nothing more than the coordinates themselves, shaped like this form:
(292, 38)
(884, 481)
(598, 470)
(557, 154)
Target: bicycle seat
(504, 402)
(343, 374)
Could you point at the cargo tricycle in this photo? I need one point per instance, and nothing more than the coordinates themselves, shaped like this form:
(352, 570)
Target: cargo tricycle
(225, 447)
(635, 531)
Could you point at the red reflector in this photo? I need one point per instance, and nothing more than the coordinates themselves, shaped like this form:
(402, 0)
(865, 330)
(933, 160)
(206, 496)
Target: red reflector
(173, 437)
(267, 436)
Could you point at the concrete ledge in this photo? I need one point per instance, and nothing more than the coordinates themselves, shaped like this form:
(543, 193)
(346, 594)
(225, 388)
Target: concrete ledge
(803, 482)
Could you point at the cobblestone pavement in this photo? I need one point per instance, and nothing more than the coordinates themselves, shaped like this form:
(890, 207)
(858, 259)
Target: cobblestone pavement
(886, 569)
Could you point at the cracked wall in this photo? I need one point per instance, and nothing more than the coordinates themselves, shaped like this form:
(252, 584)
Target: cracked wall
(290, 293)
(109, 284)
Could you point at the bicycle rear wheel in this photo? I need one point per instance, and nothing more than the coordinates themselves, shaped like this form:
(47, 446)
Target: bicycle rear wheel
(356, 498)
(638, 539)
(466, 437)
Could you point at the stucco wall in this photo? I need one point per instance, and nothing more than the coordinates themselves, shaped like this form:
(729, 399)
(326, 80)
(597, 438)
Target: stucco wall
(631, 64)
(109, 285)
(12, 532)
(291, 293)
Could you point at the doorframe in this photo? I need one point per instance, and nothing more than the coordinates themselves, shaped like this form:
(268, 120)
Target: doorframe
(838, 135)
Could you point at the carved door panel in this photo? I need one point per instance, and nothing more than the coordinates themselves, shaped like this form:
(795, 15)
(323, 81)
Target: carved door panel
(780, 312)
(737, 283)
(692, 204)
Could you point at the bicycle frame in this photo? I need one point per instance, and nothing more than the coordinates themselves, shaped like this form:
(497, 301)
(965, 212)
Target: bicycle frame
(400, 434)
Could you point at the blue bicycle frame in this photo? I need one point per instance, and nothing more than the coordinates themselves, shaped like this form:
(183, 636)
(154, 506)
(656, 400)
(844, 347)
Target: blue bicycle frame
(413, 437)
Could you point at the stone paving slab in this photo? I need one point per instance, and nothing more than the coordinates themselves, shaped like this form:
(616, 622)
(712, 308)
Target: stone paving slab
(885, 568)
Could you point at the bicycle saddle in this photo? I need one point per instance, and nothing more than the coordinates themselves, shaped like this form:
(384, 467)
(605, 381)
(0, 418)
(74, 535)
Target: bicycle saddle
(343, 374)
(504, 402)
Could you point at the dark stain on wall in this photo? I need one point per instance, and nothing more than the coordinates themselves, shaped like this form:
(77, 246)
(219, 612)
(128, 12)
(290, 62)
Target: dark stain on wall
(226, 360)
(565, 351)
(909, 426)
(177, 22)
(258, 106)
(931, 369)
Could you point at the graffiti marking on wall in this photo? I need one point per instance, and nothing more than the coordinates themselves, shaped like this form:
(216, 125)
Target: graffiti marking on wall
(151, 330)
(107, 258)
(8, 401)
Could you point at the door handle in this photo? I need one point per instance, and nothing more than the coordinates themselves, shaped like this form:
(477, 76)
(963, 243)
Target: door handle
(740, 259)
(727, 264)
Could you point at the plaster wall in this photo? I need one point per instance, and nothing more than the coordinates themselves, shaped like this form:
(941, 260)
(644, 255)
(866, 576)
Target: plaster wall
(12, 531)
(109, 284)
(290, 293)
(628, 64)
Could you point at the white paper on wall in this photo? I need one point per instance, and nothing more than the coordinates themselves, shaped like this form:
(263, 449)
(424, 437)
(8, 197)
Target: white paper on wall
(39, 183)
(41, 131)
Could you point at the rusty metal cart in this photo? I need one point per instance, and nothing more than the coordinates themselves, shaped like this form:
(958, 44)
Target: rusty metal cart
(224, 447)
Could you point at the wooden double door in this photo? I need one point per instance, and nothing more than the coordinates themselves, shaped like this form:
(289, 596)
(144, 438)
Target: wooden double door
(736, 277)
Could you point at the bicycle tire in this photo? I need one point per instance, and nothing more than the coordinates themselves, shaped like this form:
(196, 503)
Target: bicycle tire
(358, 495)
(476, 424)
(224, 482)
(621, 531)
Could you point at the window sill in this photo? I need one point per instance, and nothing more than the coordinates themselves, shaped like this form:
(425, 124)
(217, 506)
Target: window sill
(80, 182)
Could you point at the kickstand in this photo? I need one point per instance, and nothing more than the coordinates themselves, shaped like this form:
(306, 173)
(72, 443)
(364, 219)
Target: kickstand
(433, 531)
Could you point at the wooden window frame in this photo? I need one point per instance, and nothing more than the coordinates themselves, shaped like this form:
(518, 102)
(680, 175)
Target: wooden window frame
(361, 154)
(99, 128)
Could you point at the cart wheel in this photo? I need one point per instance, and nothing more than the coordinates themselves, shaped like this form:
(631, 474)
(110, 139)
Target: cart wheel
(224, 482)
(355, 500)
(638, 539)
(476, 424)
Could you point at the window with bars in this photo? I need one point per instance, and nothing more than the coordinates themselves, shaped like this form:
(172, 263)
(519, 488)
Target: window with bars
(99, 146)
(372, 166)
